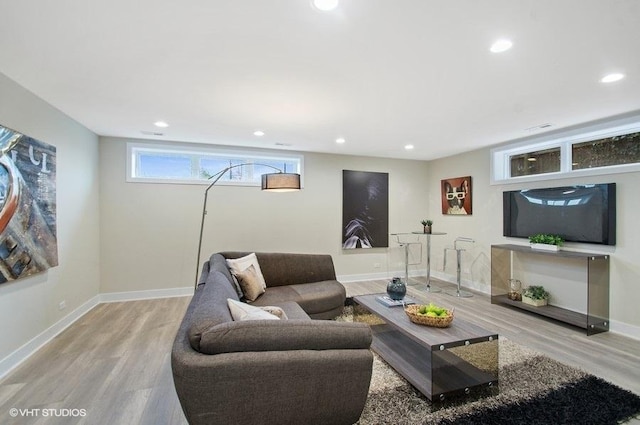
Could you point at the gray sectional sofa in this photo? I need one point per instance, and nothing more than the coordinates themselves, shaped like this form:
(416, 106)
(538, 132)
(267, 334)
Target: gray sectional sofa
(293, 371)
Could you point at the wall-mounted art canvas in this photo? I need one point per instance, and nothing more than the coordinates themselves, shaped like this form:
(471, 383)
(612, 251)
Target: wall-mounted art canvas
(28, 243)
(365, 209)
(456, 196)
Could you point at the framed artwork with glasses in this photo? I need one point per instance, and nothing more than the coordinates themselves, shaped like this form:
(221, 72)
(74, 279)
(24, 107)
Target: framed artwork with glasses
(456, 196)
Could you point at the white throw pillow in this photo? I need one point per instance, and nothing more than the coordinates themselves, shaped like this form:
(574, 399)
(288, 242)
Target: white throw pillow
(243, 311)
(243, 263)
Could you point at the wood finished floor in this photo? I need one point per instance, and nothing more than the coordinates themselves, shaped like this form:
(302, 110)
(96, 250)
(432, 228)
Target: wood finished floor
(115, 361)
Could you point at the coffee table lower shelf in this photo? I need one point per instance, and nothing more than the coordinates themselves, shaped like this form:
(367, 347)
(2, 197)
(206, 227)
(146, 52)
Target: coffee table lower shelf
(460, 360)
(453, 375)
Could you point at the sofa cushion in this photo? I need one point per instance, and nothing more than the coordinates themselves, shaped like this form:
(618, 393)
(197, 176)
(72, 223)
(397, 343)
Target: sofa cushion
(314, 298)
(244, 311)
(211, 308)
(243, 263)
(249, 283)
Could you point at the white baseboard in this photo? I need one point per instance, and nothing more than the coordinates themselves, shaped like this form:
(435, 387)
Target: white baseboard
(16, 358)
(624, 329)
(114, 297)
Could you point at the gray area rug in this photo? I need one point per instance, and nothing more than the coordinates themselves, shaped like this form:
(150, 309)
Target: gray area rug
(534, 389)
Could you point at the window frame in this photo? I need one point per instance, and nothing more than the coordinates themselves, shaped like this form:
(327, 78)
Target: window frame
(500, 172)
(200, 152)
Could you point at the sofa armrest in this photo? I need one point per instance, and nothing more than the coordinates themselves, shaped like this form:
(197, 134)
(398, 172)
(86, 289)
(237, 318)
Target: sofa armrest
(284, 335)
(238, 388)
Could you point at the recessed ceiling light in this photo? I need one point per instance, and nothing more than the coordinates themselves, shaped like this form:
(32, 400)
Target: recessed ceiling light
(161, 124)
(258, 133)
(501, 45)
(325, 5)
(408, 147)
(340, 140)
(610, 78)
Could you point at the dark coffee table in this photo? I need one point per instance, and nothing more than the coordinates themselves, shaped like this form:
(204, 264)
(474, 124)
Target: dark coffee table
(440, 362)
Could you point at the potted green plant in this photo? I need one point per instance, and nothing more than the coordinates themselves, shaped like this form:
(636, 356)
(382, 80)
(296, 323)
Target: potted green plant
(427, 225)
(546, 242)
(535, 295)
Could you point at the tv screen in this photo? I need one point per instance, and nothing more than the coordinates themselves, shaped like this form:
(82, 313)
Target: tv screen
(584, 213)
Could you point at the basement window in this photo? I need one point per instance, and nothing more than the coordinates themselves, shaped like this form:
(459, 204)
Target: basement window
(607, 152)
(603, 151)
(537, 162)
(186, 164)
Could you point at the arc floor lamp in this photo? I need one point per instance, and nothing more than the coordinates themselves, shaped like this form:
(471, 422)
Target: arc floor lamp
(274, 182)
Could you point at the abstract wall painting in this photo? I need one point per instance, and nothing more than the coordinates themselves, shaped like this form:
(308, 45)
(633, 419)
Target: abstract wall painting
(365, 209)
(28, 234)
(456, 196)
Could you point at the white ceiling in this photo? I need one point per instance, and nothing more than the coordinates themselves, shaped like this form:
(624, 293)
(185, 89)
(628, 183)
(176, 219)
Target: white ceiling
(380, 73)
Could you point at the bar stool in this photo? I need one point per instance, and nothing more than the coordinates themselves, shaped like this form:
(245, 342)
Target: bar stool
(458, 292)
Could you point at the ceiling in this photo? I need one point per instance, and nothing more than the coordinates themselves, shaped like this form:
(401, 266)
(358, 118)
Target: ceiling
(379, 73)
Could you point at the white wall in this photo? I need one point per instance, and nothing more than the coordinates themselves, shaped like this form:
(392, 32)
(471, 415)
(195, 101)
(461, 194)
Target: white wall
(485, 226)
(28, 307)
(150, 231)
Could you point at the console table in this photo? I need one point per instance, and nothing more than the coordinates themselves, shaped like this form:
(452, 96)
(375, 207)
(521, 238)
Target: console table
(596, 299)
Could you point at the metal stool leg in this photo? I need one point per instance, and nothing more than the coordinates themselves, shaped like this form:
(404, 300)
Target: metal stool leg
(458, 292)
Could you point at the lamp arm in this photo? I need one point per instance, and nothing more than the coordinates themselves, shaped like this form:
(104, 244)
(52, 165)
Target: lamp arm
(217, 176)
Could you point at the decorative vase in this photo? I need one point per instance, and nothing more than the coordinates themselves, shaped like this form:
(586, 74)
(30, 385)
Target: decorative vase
(515, 290)
(396, 289)
(427, 229)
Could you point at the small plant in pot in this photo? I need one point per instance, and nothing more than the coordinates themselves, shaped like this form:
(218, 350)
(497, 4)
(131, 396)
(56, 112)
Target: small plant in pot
(546, 242)
(427, 225)
(535, 295)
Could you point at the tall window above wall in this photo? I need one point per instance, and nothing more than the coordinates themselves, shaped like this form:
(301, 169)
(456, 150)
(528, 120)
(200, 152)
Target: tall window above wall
(186, 164)
(603, 151)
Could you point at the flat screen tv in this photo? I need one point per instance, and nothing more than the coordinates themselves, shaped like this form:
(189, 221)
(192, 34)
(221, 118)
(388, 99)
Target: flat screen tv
(585, 213)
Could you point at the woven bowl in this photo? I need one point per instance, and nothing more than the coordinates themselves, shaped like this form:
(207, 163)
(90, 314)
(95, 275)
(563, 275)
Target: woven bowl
(436, 322)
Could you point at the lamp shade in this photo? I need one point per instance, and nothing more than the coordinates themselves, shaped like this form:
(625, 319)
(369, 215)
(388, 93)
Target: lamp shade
(281, 182)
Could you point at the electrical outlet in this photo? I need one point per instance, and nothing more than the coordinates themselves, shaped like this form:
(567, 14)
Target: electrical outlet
(376, 265)
(62, 305)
